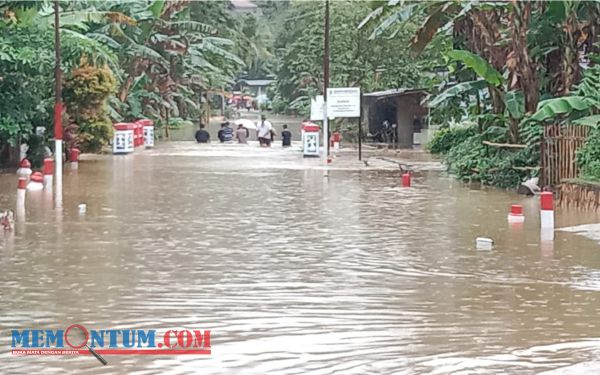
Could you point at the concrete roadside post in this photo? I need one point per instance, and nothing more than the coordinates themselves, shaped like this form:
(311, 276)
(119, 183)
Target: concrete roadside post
(24, 169)
(547, 210)
(74, 158)
(406, 179)
(21, 192)
(48, 173)
(546, 217)
(516, 214)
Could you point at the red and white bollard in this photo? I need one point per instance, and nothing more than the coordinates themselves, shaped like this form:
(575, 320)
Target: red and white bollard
(547, 240)
(74, 158)
(21, 192)
(547, 210)
(36, 182)
(406, 179)
(24, 169)
(48, 173)
(516, 214)
(336, 139)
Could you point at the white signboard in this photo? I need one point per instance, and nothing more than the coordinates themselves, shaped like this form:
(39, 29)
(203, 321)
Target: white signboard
(343, 102)
(317, 108)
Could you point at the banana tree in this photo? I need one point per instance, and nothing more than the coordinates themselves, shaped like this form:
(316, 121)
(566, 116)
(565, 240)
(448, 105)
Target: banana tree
(581, 107)
(506, 103)
(160, 42)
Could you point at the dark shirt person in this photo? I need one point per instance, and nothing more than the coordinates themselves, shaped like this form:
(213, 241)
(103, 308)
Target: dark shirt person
(286, 137)
(202, 135)
(226, 133)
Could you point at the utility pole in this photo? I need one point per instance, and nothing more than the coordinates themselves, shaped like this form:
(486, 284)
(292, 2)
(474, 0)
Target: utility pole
(325, 87)
(360, 131)
(200, 107)
(223, 100)
(58, 108)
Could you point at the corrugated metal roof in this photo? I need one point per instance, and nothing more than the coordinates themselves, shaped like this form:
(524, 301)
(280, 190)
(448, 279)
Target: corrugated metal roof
(243, 4)
(257, 82)
(394, 92)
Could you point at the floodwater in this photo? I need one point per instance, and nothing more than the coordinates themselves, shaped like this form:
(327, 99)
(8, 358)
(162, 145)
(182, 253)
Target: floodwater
(295, 273)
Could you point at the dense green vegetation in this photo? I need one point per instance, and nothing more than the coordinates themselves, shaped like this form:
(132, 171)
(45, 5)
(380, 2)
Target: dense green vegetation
(355, 58)
(588, 157)
(121, 61)
(514, 66)
(86, 93)
(26, 83)
(163, 60)
(470, 159)
(497, 71)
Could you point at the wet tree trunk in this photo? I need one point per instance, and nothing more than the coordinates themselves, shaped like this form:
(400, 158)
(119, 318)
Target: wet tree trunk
(570, 63)
(124, 90)
(497, 100)
(522, 67)
(137, 67)
(167, 123)
(513, 130)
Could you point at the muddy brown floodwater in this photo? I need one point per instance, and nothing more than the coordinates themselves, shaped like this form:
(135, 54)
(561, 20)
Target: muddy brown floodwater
(297, 274)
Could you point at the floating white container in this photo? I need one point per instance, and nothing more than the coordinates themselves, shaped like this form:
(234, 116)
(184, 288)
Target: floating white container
(484, 243)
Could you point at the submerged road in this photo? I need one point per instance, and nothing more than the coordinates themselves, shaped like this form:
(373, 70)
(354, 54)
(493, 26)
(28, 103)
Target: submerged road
(297, 274)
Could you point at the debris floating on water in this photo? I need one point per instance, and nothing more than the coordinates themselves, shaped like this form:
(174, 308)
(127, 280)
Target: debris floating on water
(529, 187)
(484, 243)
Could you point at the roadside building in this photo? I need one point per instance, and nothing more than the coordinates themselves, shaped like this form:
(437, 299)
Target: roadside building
(403, 107)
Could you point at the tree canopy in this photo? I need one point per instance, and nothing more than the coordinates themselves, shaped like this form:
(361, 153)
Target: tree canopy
(162, 55)
(355, 58)
(514, 67)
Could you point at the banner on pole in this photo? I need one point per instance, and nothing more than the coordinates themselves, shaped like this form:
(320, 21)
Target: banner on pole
(317, 108)
(343, 102)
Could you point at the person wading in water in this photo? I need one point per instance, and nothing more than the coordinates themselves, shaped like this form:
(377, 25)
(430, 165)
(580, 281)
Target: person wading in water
(264, 131)
(202, 135)
(226, 133)
(286, 137)
(242, 134)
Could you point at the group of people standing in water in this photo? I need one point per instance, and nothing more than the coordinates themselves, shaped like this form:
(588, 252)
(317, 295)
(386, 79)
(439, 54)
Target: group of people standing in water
(264, 131)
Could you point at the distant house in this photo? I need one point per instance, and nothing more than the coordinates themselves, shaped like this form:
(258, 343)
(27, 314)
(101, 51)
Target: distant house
(397, 106)
(257, 86)
(243, 6)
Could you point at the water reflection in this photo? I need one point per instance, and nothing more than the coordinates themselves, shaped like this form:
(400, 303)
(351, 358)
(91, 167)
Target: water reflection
(295, 273)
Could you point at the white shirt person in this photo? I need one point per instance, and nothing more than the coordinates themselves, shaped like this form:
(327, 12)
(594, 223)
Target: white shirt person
(263, 130)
